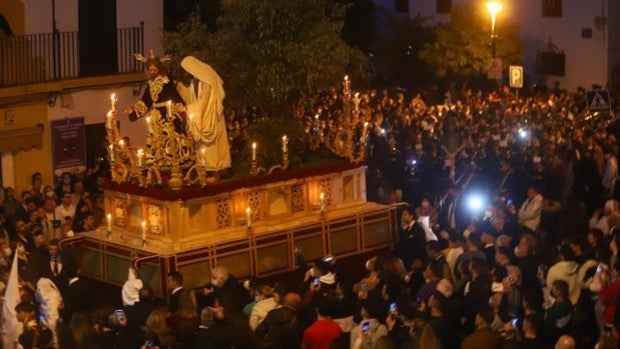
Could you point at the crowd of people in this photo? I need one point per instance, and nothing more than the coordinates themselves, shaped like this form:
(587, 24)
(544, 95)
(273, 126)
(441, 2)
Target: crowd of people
(507, 240)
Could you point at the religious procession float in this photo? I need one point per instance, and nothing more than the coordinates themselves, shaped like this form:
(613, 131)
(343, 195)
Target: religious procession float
(168, 210)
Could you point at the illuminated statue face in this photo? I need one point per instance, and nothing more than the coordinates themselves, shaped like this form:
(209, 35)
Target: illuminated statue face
(153, 71)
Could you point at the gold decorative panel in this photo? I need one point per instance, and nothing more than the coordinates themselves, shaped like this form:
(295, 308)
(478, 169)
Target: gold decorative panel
(348, 188)
(326, 188)
(278, 203)
(135, 215)
(223, 218)
(298, 203)
(120, 212)
(253, 202)
(155, 222)
(194, 214)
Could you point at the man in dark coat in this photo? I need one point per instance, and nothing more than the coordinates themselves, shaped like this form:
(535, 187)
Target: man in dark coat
(175, 285)
(77, 298)
(138, 312)
(230, 293)
(412, 239)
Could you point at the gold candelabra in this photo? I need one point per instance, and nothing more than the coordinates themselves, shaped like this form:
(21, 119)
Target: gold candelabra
(345, 136)
(166, 151)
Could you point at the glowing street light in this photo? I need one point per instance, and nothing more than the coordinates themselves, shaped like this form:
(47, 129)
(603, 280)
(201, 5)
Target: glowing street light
(494, 8)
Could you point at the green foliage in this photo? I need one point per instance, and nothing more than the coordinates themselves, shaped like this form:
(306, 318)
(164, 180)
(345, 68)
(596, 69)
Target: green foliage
(462, 47)
(271, 53)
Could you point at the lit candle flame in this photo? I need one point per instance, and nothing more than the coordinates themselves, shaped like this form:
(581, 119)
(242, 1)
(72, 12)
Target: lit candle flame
(109, 219)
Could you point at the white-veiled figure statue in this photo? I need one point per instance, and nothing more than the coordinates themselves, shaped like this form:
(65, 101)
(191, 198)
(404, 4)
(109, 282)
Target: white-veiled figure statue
(49, 299)
(204, 97)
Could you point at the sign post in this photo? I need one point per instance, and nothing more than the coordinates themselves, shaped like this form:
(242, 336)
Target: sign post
(598, 100)
(494, 72)
(516, 78)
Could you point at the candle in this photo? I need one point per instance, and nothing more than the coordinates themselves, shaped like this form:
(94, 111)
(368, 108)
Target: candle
(140, 155)
(169, 109)
(121, 143)
(322, 200)
(346, 78)
(109, 220)
(148, 123)
(254, 151)
(203, 150)
(248, 216)
(143, 230)
(108, 122)
(284, 144)
(111, 152)
(113, 101)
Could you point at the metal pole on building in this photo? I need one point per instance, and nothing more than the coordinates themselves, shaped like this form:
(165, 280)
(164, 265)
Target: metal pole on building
(54, 41)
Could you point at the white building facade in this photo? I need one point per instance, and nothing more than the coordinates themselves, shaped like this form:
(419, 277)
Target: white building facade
(35, 92)
(587, 32)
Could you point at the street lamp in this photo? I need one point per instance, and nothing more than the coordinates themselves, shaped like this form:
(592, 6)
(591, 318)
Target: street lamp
(494, 8)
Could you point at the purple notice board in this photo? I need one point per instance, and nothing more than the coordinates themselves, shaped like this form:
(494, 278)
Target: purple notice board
(69, 145)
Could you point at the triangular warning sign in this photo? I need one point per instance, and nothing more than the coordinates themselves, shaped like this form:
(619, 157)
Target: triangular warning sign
(598, 102)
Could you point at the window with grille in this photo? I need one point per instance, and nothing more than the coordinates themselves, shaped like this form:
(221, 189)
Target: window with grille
(444, 6)
(552, 8)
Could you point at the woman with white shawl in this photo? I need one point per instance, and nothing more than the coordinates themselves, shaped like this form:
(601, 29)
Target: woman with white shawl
(49, 299)
(205, 110)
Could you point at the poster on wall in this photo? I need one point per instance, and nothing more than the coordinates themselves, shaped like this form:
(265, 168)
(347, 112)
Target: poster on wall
(69, 145)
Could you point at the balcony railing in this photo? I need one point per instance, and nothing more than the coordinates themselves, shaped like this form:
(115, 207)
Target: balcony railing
(27, 59)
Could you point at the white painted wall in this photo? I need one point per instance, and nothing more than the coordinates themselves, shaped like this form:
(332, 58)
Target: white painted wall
(129, 13)
(93, 105)
(587, 60)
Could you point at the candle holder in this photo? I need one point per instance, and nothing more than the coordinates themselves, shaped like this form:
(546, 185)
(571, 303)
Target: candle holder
(176, 181)
(285, 162)
(253, 168)
(346, 87)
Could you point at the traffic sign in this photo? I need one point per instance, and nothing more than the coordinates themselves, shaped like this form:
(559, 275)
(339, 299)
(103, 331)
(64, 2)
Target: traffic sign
(494, 71)
(516, 76)
(598, 100)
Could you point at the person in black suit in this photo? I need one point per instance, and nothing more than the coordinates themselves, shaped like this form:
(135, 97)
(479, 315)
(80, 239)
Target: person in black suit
(449, 210)
(175, 286)
(138, 312)
(227, 289)
(412, 240)
(77, 297)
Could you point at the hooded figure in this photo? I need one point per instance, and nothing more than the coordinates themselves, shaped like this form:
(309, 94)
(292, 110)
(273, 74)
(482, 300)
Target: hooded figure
(131, 289)
(206, 118)
(50, 300)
